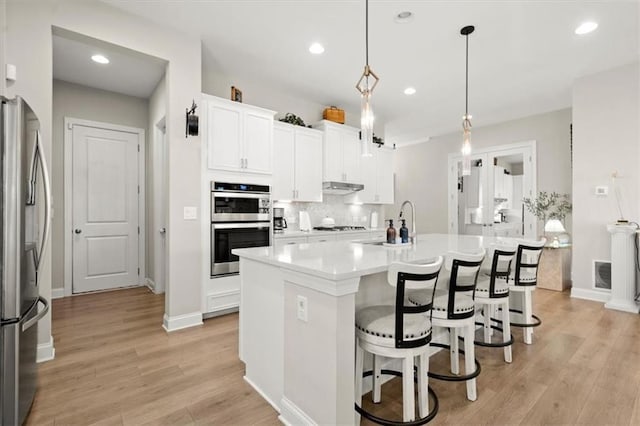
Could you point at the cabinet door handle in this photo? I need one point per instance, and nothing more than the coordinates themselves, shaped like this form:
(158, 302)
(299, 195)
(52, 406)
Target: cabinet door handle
(246, 163)
(293, 194)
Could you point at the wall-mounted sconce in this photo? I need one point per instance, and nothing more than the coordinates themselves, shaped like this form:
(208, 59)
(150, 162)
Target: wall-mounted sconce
(191, 121)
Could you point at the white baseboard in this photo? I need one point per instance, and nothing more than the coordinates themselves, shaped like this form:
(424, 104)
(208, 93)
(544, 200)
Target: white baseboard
(179, 322)
(587, 294)
(57, 293)
(291, 414)
(46, 351)
(262, 394)
(222, 301)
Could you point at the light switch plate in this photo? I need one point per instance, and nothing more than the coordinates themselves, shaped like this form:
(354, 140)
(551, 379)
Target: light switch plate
(190, 213)
(10, 71)
(602, 191)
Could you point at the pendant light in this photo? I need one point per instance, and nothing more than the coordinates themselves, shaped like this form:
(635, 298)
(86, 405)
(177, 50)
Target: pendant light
(466, 119)
(365, 86)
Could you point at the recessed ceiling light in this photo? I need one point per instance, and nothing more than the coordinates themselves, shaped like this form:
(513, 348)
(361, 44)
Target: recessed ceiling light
(586, 27)
(101, 59)
(403, 17)
(410, 91)
(316, 48)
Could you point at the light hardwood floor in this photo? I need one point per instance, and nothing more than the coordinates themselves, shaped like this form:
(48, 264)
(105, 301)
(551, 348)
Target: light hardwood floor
(116, 365)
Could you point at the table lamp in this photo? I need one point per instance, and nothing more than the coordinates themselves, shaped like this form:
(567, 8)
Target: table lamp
(555, 228)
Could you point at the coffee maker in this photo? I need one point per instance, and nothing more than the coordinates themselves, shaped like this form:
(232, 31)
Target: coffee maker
(279, 222)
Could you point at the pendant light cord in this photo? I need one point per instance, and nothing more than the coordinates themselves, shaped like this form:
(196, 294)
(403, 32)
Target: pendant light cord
(466, 88)
(366, 32)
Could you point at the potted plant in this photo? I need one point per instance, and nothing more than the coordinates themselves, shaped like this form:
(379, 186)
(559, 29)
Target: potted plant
(549, 205)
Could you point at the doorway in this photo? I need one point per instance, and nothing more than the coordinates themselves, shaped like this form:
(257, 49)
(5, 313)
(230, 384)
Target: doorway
(104, 206)
(488, 202)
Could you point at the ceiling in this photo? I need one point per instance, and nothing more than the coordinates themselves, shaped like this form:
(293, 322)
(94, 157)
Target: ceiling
(128, 72)
(524, 55)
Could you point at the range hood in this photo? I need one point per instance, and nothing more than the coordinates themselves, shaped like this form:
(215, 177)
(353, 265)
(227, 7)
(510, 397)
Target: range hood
(341, 188)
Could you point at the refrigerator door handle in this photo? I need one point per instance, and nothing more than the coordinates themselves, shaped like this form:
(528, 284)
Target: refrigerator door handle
(47, 199)
(28, 324)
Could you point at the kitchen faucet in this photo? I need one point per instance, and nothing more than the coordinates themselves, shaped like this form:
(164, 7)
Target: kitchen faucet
(412, 235)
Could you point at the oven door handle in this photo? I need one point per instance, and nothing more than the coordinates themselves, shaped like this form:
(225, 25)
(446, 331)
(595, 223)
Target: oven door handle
(258, 225)
(239, 195)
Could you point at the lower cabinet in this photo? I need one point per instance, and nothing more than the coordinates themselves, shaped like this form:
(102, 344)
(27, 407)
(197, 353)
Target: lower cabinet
(336, 236)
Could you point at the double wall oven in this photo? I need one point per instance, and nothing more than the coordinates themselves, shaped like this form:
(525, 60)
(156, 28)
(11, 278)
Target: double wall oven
(240, 218)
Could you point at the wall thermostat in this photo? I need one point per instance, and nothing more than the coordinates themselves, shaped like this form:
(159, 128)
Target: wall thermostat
(602, 190)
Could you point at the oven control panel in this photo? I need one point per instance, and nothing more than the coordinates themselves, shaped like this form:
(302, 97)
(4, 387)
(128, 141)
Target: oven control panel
(265, 205)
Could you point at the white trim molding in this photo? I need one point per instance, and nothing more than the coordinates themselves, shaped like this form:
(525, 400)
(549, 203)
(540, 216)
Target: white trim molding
(179, 322)
(57, 293)
(262, 394)
(291, 414)
(46, 351)
(69, 122)
(602, 296)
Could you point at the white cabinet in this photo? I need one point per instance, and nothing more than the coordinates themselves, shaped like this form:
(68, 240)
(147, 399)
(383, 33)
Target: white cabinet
(321, 238)
(341, 152)
(297, 171)
(280, 242)
(377, 177)
(239, 137)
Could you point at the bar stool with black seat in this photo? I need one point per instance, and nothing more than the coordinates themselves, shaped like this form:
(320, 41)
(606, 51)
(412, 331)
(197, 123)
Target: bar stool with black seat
(454, 309)
(492, 295)
(399, 331)
(522, 282)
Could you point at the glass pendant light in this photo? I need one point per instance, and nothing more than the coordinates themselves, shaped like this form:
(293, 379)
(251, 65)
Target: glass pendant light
(366, 84)
(466, 119)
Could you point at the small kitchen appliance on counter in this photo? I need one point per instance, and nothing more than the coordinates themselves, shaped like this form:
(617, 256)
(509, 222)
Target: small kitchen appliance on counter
(279, 222)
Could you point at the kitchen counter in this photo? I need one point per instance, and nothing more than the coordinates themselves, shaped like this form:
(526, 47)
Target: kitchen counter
(297, 310)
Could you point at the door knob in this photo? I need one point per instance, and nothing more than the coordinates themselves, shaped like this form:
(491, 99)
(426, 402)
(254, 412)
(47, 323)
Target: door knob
(162, 230)
(78, 231)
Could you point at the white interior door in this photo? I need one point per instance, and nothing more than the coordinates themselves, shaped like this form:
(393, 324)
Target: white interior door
(105, 209)
(160, 190)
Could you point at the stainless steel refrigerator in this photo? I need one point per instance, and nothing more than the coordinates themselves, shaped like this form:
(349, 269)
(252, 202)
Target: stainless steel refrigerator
(25, 206)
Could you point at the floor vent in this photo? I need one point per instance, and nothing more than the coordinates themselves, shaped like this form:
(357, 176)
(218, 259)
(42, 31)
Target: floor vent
(602, 274)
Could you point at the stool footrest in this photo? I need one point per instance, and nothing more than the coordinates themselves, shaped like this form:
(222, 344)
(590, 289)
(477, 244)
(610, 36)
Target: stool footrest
(386, 422)
(493, 345)
(537, 322)
(452, 378)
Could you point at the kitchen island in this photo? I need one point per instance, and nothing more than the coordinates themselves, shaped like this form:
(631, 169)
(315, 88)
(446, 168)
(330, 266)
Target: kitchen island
(297, 311)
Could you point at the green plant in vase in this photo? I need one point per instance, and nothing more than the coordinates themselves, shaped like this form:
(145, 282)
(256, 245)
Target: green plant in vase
(548, 205)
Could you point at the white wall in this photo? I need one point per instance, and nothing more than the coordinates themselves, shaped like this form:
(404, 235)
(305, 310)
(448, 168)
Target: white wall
(3, 48)
(255, 92)
(606, 139)
(76, 101)
(28, 42)
(421, 169)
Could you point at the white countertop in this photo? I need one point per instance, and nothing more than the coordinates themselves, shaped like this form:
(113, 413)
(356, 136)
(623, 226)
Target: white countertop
(337, 260)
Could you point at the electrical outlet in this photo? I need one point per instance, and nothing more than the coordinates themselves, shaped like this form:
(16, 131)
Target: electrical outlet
(602, 190)
(302, 308)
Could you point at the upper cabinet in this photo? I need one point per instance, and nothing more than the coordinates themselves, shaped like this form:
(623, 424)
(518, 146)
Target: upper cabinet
(239, 137)
(297, 169)
(377, 176)
(341, 152)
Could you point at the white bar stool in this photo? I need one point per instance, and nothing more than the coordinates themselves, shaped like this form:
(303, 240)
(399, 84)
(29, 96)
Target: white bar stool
(399, 331)
(522, 282)
(492, 294)
(454, 309)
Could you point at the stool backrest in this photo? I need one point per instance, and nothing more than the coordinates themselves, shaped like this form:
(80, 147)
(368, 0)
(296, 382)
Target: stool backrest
(404, 276)
(464, 269)
(527, 261)
(500, 267)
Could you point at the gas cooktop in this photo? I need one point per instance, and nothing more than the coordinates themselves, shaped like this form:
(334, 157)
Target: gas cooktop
(339, 228)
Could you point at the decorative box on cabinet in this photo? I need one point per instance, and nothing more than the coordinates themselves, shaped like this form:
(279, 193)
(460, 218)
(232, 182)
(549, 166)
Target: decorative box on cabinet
(297, 171)
(238, 136)
(341, 152)
(554, 272)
